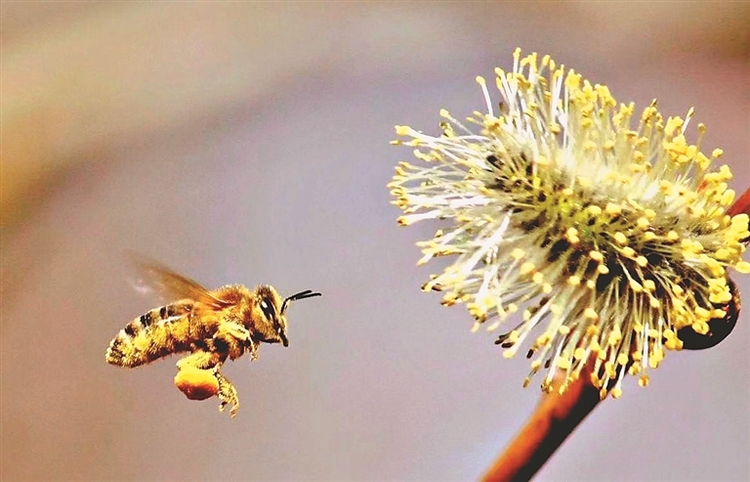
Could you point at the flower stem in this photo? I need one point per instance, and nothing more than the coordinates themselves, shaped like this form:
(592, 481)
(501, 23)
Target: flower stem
(554, 419)
(741, 205)
(556, 416)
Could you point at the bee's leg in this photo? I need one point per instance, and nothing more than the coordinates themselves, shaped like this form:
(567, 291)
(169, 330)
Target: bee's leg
(201, 359)
(253, 348)
(234, 338)
(227, 393)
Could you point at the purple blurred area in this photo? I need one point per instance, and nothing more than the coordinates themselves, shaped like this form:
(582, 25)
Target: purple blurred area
(248, 143)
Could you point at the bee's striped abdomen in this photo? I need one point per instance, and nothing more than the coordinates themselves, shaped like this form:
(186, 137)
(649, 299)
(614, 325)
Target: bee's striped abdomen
(155, 334)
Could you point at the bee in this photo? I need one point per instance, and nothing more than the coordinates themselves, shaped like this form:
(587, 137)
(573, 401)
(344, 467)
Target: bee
(213, 326)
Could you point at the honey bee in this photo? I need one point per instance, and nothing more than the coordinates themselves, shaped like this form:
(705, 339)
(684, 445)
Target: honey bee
(213, 326)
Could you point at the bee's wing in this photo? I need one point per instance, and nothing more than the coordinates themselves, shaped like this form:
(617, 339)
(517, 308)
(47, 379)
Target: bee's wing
(154, 277)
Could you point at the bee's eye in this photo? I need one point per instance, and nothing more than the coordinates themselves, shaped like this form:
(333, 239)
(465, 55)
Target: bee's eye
(268, 309)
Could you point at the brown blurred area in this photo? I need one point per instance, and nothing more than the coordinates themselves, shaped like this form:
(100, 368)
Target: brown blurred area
(248, 142)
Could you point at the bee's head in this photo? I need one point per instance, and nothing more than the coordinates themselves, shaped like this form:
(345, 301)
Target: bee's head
(273, 309)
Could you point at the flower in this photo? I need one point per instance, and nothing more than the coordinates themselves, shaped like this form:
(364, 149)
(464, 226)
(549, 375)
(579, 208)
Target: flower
(607, 239)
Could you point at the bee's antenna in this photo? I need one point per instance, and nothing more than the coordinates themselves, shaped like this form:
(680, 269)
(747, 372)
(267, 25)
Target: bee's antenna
(298, 296)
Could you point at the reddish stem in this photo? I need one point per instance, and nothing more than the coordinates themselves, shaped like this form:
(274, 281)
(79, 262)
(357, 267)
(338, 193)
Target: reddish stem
(555, 417)
(741, 205)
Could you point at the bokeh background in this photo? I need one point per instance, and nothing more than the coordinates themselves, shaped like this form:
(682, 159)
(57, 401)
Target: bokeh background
(248, 142)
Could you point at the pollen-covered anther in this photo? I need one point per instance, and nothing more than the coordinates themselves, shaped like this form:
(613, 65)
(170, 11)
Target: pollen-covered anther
(563, 362)
(478, 311)
(656, 358)
(590, 314)
(643, 380)
(614, 337)
(613, 208)
(572, 236)
(542, 340)
(579, 354)
(622, 359)
(635, 286)
(449, 299)
(702, 313)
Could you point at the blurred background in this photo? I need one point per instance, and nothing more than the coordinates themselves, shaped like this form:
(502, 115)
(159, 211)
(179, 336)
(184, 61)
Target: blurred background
(248, 143)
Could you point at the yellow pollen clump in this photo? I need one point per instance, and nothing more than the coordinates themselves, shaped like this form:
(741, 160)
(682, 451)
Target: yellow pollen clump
(722, 254)
(727, 198)
(572, 235)
(613, 208)
(622, 358)
(403, 130)
(563, 363)
(621, 238)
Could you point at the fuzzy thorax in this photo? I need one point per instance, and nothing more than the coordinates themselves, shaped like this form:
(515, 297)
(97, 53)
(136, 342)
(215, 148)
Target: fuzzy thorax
(606, 231)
